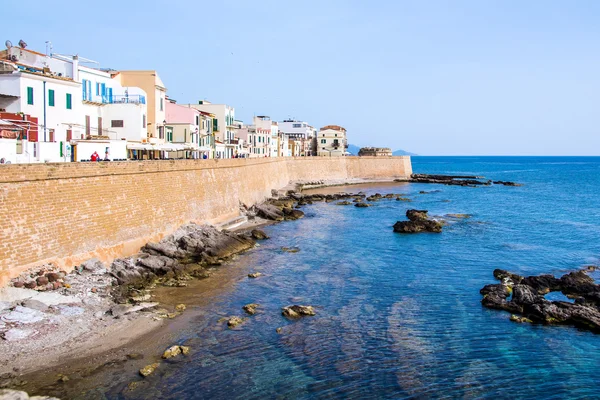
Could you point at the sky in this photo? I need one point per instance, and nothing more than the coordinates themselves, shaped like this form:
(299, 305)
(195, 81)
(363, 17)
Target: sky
(433, 77)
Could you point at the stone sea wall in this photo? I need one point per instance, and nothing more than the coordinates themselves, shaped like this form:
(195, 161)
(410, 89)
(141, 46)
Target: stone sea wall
(67, 213)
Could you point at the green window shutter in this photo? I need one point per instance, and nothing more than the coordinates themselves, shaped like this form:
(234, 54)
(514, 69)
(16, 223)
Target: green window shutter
(215, 124)
(69, 104)
(30, 95)
(61, 149)
(51, 97)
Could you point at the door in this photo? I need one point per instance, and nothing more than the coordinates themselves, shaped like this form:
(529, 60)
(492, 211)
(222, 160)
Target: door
(99, 125)
(74, 153)
(69, 135)
(51, 134)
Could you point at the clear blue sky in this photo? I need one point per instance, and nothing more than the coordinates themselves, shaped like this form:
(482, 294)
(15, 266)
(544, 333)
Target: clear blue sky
(432, 77)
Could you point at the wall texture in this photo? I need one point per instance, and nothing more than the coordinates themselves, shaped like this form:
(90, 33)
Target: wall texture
(69, 212)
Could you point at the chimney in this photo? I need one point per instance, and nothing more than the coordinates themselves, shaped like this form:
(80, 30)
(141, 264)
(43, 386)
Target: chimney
(76, 68)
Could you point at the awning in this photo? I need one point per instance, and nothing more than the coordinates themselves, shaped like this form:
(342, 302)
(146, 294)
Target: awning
(140, 146)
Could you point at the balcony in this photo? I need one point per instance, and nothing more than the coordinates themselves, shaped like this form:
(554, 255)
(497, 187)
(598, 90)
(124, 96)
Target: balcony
(115, 99)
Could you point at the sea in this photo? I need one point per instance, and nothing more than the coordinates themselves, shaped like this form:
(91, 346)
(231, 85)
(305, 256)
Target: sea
(399, 316)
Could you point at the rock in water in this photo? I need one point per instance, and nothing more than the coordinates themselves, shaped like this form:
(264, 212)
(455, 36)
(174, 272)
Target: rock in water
(171, 352)
(418, 222)
(528, 303)
(292, 214)
(185, 350)
(180, 307)
(343, 203)
(258, 234)
(254, 275)
(251, 308)
(361, 204)
(297, 311)
(290, 249)
(148, 369)
(232, 322)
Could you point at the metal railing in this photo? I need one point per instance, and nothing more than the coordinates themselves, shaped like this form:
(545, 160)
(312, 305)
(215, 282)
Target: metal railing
(116, 99)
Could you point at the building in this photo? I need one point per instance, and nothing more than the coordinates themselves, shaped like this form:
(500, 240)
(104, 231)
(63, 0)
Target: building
(331, 141)
(223, 124)
(80, 110)
(301, 132)
(186, 132)
(375, 152)
(156, 93)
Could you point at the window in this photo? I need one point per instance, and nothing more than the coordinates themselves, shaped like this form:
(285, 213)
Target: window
(116, 123)
(197, 120)
(97, 89)
(51, 97)
(30, 95)
(336, 135)
(69, 101)
(143, 120)
(297, 125)
(161, 103)
(323, 141)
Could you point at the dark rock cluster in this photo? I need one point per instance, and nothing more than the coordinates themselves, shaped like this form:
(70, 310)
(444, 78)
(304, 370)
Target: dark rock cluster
(191, 246)
(525, 296)
(418, 221)
(456, 180)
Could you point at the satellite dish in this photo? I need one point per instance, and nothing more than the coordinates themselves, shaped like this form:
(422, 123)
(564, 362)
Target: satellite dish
(8, 44)
(22, 43)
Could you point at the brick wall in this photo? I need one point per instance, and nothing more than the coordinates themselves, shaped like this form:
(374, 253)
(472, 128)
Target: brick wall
(69, 212)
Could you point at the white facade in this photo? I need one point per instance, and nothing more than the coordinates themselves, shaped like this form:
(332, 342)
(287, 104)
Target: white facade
(299, 131)
(223, 124)
(71, 102)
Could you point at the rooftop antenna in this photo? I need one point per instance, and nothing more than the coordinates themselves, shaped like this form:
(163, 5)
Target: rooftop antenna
(48, 47)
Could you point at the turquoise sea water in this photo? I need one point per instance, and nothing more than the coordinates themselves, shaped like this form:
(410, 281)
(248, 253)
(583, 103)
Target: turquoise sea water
(399, 316)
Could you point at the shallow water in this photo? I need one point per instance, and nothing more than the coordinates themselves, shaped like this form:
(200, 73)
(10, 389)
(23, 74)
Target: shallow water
(399, 316)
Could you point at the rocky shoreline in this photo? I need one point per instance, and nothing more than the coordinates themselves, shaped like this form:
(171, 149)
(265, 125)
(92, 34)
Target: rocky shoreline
(46, 310)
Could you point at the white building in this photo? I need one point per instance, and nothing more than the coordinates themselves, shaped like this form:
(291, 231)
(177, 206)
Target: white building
(331, 141)
(299, 131)
(223, 125)
(79, 109)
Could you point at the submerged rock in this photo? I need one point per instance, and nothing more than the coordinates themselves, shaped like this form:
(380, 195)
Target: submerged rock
(296, 311)
(251, 308)
(290, 249)
(343, 203)
(148, 369)
(254, 275)
(418, 222)
(232, 322)
(362, 204)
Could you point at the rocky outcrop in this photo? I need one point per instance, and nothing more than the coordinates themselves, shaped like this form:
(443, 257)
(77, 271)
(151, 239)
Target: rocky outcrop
(258, 234)
(297, 311)
(456, 180)
(418, 221)
(190, 245)
(362, 204)
(529, 304)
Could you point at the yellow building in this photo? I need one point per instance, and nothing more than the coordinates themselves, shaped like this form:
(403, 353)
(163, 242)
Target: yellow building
(156, 91)
(331, 141)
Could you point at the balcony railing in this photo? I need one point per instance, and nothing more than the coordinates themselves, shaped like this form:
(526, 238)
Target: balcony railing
(124, 99)
(115, 99)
